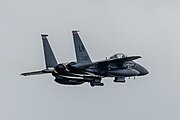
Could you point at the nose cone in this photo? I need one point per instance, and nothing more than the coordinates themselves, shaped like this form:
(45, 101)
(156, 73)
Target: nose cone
(141, 69)
(144, 71)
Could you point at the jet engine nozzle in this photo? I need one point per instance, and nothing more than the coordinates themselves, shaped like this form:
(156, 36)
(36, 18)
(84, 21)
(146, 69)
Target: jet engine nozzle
(59, 69)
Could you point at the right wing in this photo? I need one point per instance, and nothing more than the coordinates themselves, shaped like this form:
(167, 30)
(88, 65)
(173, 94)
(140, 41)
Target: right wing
(118, 61)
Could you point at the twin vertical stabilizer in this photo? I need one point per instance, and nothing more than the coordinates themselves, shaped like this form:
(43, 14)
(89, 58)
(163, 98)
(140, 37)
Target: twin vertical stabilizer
(50, 60)
(81, 53)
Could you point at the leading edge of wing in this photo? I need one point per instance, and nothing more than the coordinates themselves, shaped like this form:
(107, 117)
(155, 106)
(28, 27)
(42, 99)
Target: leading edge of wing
(116, 60)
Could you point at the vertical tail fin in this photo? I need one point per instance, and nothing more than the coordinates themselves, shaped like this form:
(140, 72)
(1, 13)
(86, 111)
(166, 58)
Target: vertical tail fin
(50, 59)
(81, 53)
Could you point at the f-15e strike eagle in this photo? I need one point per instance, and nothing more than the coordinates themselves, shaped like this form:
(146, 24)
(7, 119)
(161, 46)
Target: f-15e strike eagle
(84, 70)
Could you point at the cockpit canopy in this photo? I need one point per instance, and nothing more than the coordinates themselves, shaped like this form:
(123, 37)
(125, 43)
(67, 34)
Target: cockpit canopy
(118, 55)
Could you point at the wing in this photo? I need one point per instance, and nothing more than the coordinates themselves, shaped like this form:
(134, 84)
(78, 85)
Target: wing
(117, 61)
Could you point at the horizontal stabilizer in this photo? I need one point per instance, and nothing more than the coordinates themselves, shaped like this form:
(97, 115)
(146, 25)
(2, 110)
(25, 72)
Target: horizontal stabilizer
(37, 72)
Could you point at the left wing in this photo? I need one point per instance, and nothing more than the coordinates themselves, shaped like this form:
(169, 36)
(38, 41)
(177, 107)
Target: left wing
(109, 61)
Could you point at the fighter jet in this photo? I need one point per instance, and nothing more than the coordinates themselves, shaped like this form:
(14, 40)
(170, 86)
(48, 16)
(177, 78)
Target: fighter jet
(118, 66)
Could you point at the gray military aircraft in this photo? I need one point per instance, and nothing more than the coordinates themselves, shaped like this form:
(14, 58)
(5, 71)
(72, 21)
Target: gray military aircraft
(84, 70)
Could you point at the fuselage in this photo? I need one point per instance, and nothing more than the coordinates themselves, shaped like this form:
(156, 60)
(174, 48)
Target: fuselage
(128, 69)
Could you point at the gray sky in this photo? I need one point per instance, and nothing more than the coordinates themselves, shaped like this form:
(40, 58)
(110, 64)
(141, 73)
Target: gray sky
(149, 28)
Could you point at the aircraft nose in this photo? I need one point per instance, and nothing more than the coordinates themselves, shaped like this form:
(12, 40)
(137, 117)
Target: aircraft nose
(145, 72)
(141, 69)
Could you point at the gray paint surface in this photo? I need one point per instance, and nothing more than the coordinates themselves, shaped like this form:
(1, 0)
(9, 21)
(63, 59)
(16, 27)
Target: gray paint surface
(146, 28)
(50, 60)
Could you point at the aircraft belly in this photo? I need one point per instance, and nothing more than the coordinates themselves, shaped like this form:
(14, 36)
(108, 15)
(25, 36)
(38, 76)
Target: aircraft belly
(124, 72)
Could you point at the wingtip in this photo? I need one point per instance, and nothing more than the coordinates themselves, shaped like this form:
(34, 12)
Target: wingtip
(22, 74)
(75, 31)
(139, 57)
(44, 35)
(133, 57)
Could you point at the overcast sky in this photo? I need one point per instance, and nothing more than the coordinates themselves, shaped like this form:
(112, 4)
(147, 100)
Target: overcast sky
(150, 28)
